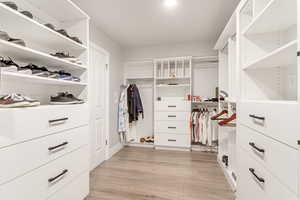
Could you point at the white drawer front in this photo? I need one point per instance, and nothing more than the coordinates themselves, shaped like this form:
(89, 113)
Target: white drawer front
(250, 187)
(19, 125)
(21, 158)
(172, 116)
(174, 127)
(184, 106)
(172, 140)
(37, 185)
(76, 190)
(272, 119)
(280, 159)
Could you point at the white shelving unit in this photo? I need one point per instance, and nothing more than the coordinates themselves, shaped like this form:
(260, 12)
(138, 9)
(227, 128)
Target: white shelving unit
(33, 130)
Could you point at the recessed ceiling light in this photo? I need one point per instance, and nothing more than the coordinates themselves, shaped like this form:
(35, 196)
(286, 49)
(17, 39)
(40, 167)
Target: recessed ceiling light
(170, 3)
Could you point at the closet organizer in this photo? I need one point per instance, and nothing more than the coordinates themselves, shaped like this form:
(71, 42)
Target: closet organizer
(44, 149)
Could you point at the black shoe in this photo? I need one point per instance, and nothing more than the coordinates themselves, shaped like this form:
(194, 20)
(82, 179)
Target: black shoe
(71, 96)
(17, 41)
(64, 99)
(28, 14)
(76, 39)
(4, 36)
(10, 4)
(63, 32)
(51, 26)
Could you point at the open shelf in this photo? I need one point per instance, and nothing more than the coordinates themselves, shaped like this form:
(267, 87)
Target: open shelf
(13, 76)
(175, 78)
(282, 56)
(28, 55)
(172, 86)
(277, 15)
(43, 36)
(140, 78)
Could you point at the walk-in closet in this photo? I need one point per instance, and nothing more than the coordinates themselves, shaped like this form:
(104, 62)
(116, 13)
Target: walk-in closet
(149, 100)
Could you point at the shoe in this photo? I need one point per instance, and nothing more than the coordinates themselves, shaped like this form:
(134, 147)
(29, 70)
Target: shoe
(17, 41)
(67, 57)
(76, 39)
(65, 76)
(75, 79)
(37, 71)
(27, 13)
(54, 75)
(32, 102)
(25, 70)
(4, 36)
(51, 26)
(8, 65)
(10, 4)
(63, 32)
(64, 99)
(13, 101)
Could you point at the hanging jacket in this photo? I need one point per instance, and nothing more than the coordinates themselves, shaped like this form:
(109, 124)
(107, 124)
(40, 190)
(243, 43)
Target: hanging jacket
(134, 102)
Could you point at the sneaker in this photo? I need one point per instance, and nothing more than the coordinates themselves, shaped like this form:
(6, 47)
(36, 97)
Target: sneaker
(8, 65)
(32, 102)
(10, 4)
(65, 76)
(4, 36)
(13, 101)
(63, 99)
(71, 96)
(38, 71)
(63, 32)
(51, 26)
(54, 75)
(67, 57)
(76, 39)
(17, 41)
(75, 79)
(25, 70)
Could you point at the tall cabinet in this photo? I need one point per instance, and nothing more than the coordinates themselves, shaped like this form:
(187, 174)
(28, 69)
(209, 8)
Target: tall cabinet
(44, 150)
(267, 139)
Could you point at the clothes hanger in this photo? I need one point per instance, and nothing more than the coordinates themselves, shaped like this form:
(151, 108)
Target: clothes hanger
(216, 117)
(226, 121)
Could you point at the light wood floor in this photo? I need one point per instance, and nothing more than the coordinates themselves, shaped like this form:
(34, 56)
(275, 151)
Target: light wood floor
(147, 174)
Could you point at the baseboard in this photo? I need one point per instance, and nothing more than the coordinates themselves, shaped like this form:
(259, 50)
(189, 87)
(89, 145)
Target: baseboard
(172, 148)
(115, 149)
(228, 176)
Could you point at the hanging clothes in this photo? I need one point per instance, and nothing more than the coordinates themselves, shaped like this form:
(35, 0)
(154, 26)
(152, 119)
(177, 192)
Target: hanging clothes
(134, 103)
(123, 124)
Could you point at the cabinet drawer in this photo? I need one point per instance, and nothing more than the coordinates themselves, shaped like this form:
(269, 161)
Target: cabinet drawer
(76, 190)
(172, 116)
(278, 158)
(21, 158)
(47, 180)
(21, 124)
(250, 183)
(272, 119)
(184, 106)
(172, 140)
(174, 127)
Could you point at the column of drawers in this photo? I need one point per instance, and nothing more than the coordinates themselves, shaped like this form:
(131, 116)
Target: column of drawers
(172, 124)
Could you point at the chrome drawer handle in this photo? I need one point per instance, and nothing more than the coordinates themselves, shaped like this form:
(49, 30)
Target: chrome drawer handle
(257, 117)
(252, 144)
(58, 121)
(171, 140)
(172, 106)
(58, 146)
(59, 176)
(171, 127)
(262, 180)
(171, 116)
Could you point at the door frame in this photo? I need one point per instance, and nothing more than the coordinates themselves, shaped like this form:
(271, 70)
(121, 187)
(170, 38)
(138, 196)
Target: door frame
(107, 96)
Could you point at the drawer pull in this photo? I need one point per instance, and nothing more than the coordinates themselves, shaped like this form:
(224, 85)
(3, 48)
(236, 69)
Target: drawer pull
(171, 127)
(59, 176)
(257, 117)
(58, 146)
(171, 140)
(58, 121)
(252, 144)
(256, 176)
(171, 106)
(171, 116)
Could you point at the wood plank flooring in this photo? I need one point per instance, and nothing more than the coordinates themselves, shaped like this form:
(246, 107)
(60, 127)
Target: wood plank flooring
(147, 174)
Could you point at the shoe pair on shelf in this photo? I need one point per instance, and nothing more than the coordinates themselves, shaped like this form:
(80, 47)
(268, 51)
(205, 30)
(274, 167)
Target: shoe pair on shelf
(6, 37)
(149, 139)
(65, 98)
(17, 100)
(63, 32)
(66, 56)
(14, 6)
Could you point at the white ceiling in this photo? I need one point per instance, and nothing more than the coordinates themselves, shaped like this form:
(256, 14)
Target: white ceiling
(148, 22)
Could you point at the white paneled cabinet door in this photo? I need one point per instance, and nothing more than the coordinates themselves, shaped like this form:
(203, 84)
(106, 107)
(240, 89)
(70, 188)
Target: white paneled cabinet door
(98, 76)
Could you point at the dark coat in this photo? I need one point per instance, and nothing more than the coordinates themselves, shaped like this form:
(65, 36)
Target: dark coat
(134, 102)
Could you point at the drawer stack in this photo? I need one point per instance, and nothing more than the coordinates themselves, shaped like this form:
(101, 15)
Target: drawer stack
(44, 154)
(267, 152)
(172, 123)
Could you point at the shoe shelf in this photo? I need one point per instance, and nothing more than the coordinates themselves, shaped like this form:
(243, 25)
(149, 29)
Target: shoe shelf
(173, 86)
(27, 55)
(13, 76)
(283, 56)
(37, 33)
(277, 15)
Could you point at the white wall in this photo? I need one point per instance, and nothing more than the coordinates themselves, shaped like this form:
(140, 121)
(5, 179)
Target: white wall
(116, 76)
(172, 50)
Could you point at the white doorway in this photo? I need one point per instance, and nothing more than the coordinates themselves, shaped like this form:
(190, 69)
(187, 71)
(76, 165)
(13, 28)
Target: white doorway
(99, 104)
